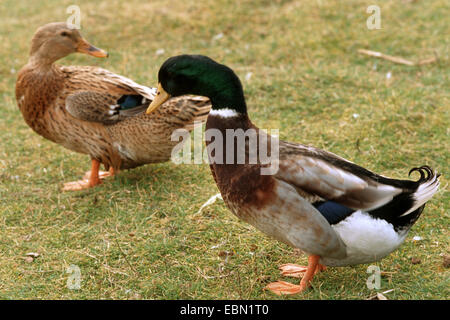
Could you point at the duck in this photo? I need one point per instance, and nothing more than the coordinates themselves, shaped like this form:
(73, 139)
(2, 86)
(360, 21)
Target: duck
(337, 212)
(94, 111)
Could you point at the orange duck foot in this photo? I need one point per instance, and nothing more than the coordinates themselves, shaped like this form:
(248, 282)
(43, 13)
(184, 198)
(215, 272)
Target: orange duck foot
(78, 185)
(282, 287)
(296, 271)
(101, 175)
(293, 270)
(90, 179)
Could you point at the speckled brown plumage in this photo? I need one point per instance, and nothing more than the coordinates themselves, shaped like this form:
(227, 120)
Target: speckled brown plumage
(47, 92)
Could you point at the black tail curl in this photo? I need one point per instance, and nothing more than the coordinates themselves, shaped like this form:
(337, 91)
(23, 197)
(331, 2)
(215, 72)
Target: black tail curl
(426, 173)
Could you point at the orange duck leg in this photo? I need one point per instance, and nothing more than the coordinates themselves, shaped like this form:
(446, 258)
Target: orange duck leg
(91, 178)
(292, 270)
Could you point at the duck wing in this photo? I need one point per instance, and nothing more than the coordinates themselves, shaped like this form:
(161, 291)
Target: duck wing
(99, 95)
(103, 107)
(337, 187)
(88, 78)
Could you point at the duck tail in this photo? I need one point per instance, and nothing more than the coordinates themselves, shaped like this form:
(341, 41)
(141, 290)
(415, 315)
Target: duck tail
(428, 185)
(405, 208)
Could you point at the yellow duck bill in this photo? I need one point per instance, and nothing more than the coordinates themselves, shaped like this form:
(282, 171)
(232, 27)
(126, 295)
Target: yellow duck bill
(161, 97)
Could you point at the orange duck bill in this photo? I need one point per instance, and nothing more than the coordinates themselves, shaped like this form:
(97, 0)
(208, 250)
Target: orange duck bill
(87, 48)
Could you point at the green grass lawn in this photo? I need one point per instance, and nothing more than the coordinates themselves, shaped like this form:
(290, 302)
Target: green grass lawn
(139, 236)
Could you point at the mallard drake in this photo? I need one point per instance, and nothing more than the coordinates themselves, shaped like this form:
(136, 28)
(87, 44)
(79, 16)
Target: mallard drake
(94, 111)
(337, 212)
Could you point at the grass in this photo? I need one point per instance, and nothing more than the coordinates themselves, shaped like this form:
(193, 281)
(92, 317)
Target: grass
(139, 236)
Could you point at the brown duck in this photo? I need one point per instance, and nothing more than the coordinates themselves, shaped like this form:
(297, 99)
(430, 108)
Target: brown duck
(337, 212)
(94, 111)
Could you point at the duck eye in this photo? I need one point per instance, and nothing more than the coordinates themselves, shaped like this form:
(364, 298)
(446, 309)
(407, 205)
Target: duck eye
(64, 34)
